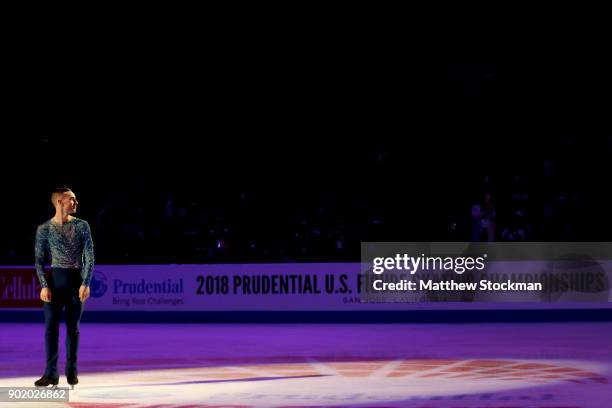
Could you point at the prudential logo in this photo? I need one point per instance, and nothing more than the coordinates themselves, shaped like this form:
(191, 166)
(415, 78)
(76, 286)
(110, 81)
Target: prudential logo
(98, 284)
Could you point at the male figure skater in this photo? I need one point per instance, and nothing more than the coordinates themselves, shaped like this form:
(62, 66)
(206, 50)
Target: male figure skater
(67, 240)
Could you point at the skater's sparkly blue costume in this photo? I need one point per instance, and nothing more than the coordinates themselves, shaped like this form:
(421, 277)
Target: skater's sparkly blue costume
(70, 246)
(72, 260)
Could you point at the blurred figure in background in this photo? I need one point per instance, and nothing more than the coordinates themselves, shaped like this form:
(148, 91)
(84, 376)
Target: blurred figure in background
(483, 220)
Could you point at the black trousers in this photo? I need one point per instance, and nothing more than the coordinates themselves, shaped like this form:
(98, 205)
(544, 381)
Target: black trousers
(64, 285)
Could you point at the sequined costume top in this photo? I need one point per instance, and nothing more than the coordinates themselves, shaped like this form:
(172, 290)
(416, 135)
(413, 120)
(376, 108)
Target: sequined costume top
(70, 246)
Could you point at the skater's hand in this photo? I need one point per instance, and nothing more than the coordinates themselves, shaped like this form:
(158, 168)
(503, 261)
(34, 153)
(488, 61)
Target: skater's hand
(83, 293)
(45, 295)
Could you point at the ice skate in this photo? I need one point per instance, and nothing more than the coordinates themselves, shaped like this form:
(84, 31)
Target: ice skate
(45, 381)
(72, 380)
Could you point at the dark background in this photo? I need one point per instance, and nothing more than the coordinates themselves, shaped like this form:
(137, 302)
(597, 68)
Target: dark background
(298, 150)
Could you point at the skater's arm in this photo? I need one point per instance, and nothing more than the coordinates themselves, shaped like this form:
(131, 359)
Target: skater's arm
(88, 255)
(40, 249)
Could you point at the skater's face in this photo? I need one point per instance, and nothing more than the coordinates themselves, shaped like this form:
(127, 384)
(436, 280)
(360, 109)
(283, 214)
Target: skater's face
(68, 202)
